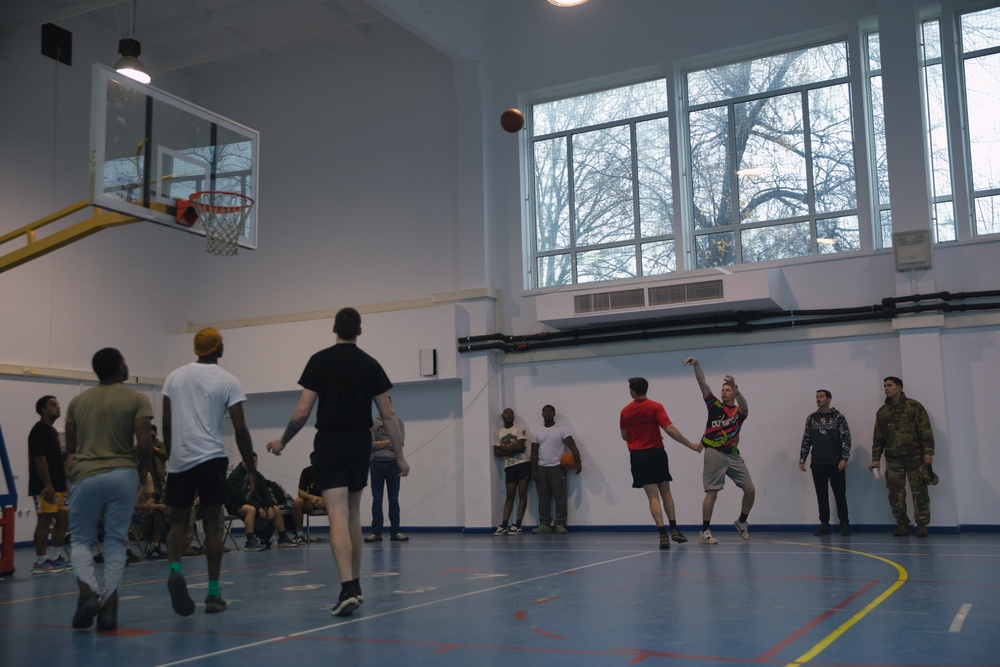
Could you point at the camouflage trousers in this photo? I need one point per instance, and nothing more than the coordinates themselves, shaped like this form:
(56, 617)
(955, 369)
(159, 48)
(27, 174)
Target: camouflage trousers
(899, 469)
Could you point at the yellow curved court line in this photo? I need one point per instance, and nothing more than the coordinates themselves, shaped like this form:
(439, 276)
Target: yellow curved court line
(846, 625)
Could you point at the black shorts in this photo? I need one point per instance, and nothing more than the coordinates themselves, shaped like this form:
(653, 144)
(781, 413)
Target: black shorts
(649, 466)
(207, 480)
(341, 459)
(517, 472)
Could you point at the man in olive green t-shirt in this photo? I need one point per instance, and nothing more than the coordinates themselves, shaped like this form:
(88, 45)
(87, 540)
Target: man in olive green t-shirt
(101, 424)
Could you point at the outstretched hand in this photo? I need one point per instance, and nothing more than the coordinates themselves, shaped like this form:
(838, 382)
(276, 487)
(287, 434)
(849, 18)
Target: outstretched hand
(690, 361)
(275, 447)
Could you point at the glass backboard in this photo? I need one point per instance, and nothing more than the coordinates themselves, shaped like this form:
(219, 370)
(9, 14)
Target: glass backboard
(149, 149)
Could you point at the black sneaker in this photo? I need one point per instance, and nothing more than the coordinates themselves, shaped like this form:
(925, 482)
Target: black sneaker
(824, 529)
(87, 606)
(678, 536)
(179, 597)
(285, 542)
(845, 528)
(107, 617)
(346, 605)
(214, 604)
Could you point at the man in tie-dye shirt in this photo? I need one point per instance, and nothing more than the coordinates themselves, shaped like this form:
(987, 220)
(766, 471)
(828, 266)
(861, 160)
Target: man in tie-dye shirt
(722, 456)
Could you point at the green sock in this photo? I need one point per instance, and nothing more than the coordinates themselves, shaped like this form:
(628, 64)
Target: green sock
(213, 588)
(175, 566)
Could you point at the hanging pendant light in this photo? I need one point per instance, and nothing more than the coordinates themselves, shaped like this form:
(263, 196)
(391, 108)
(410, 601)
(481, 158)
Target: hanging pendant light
(129, 64)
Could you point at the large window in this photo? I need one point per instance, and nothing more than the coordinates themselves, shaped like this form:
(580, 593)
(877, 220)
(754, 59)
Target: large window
(980, 42)
(880, 162)
(942, 196)
(603, 203)
(771, 150)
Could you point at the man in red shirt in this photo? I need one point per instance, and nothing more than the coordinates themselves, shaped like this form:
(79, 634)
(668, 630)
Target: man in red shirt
(640, 423)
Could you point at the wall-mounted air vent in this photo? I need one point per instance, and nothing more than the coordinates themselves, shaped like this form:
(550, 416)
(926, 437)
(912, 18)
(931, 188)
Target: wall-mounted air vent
(602, 302)
(669, 295)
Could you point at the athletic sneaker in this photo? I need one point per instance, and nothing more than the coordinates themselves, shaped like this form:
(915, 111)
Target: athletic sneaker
(156, 553)
(346, 605)
(285, 542)
(561, 529)
(540, 530)
(705, 537)
(664, 541)
(179, 597)
(45, 567)
(300, 539)
(678, 536)
(399, 537)
(63, 563)
(742, 529)
(253, 544)
(214, 604)
(514, 530)
(373, 538)
(501, 530)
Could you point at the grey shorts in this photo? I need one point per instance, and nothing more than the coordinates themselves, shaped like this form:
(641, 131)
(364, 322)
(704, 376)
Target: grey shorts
(719, 465)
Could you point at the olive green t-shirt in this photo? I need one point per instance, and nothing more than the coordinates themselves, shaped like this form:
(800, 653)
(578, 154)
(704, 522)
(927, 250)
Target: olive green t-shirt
(105, 418)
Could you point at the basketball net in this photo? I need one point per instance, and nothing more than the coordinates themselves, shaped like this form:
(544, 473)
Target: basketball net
(223, 215)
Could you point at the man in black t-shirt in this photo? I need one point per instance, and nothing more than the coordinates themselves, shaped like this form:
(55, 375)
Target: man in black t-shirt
(345, 381)
(47, 484)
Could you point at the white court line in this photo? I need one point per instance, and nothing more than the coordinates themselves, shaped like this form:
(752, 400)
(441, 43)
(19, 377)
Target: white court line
(956, 624)
(399, 611)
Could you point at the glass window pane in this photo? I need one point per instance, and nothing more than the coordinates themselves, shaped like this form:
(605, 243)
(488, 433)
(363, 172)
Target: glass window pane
(944, 222)
(981, 30)
(931, 34)
(988, 215)
(606, 264)
(715, 250)
(710, 172)
(832, 138)
(602, 180)
(874, 52)
(776, 242)
(772, 164)
(552, 230)
(752, 77)
(605, 106)
(656, 195)
(938, 131)
(982, 92)
(838, 235)
(555, 270)
(658, 258)
(885, 225)
(878, 138)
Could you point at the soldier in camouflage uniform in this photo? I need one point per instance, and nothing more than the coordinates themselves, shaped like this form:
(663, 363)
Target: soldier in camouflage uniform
(903, 433)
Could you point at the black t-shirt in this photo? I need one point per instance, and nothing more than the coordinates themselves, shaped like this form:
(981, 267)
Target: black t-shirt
(44, 441)
(307, 483)
(346, 379)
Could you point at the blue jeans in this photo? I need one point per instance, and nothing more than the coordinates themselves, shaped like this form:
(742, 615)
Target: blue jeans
(385, 472)
(111, 495)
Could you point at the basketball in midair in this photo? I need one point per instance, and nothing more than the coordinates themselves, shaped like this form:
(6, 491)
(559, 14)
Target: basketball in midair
(512, 120)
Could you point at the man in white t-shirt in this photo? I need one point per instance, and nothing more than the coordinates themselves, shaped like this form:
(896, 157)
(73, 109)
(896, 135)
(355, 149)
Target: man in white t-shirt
(550, 443)
(196, 398)
(512, 445)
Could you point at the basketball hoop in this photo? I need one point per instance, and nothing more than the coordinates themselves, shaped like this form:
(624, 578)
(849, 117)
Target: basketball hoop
(223, 215)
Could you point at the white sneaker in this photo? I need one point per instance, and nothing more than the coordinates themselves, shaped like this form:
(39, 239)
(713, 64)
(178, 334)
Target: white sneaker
(501, 530)
(742, 529)
(705, 537)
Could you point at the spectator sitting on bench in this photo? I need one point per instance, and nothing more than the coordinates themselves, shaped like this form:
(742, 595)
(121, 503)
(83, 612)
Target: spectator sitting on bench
(260, 514)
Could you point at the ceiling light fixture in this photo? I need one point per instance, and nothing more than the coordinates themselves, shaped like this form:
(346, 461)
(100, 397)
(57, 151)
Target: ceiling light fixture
(566, 3)
(130, 49)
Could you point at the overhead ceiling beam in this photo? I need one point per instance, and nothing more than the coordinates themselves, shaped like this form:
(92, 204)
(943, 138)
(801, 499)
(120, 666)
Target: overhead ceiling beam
(254, 45)
(58, 15)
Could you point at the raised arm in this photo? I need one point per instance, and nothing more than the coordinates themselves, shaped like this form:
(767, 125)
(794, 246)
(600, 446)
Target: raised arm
(741, 400)
(299, 416)
(699, 375)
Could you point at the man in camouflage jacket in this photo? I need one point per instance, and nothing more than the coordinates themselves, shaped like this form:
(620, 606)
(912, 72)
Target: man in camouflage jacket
(903, 433)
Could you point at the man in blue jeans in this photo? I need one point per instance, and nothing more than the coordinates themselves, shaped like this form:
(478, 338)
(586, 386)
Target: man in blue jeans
(385, 475)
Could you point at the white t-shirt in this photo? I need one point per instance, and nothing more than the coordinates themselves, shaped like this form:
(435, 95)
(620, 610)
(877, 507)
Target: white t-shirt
(512, 435)
(550, 444)
(200, 395)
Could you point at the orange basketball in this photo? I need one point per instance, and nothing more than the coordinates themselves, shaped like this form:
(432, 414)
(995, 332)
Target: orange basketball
(512, 120)
(567, 460)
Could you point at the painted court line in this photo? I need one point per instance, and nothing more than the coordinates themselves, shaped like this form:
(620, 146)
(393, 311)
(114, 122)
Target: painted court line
(956, 624)
(430, 603)
(846, 625)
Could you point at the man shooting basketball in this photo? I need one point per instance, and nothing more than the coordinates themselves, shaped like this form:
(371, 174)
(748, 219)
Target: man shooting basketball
(345, 380)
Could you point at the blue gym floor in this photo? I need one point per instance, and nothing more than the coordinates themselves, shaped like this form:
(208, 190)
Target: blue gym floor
(587, 598)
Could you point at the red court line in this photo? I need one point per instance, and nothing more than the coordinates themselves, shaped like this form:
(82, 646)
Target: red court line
(767, 656)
